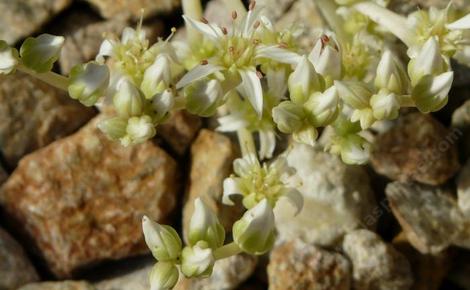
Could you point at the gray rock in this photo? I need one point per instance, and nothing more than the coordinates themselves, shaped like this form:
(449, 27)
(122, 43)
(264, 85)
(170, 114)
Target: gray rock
(337, 198)
(133, 8)
(463, 190)
(15, 268)
(376, 264)
(461, 124)
(296, 265)
(428, 215)
(63, 285)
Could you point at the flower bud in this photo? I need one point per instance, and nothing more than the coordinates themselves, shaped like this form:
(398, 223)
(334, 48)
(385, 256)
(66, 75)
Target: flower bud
(163, 241)
(197, 261)
(204, 97)
(288, 117)
(385, 105)
(306, 135)
(205, 226)
(163, 103)
(255, 233)
(157, 77)
(139, 130)
(326, 57)
(390, 74)
(114, 128)
(355, 94)
(163, 276)
(40, 53)
(128, 100)
(353, 149)
(88, 82)
(364, 116)
(322, 108)
(429, 61)
(8, 58)
(431, 93)
(304, 81)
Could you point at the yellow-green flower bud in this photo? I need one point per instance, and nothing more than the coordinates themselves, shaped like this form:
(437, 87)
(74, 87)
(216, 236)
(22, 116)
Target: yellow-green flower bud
(255, 233)
(353, 148)
(429, 61)
(197, 261)
(139, 130)
(163, 276)
(385, 105)
(40, 53)
(204, 97)
(288, 116)
(431, 93)
(128, 100)
(163, 103)
(323, 108)
(88, 82)
(355, 94)
(114, 128)
(326, 57)
(205, 226)
(8, 58)
(306, 135)
(391, 75)
(304, 81)
(157, 77)
(364, 116)
(162, 240)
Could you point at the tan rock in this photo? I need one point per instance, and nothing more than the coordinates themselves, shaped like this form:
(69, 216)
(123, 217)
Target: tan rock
(376, 264)
(180, 130)
(417, 148)
(64, 285)
(133, 8)
(461, 124)
(212, 155)
(296, 265)
(428, 215)
(463, 190)
(34, 114)
(81, 199)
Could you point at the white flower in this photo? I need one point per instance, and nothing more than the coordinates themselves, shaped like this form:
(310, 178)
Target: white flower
(306, 135)
(128, 101)
(88, 82)
(385, 105)
(326, 57)
(288, 117)
(114, 128)
(391, 75)
(205, 226)
(355, 94)
(322, 108)
(197, 261)
(429, 61)
(138, 130)
(353, 148)
(8, 58)
(431, 93)
(163, 241)
(157, 77)
(40, 53)
(204, 97)
(304, 81)
(163, 276)
(162, 104)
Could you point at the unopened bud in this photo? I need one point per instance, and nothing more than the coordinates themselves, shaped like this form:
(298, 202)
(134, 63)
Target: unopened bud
(288, 116)
(128, 100)
(163, 276)
(162, 240)
(304, 81)
(8, 58)
(40, 53)
(197, 261)
(205, 226)
(204, 97)
(88, 82)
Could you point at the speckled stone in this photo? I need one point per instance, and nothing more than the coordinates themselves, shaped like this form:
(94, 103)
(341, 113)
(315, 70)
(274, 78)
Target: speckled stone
(81, 199)
(180, 130)
(461, 123)
(337, 198)
(15, 268)
(376, 264)
(34, 114)
(296, 265)
(417, 148)
(428, 215)
(63, 285)
(132, 8)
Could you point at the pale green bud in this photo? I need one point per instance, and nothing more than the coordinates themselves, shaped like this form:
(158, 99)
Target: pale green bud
(40, 53)
(288, 117)
(355, 94)
(139, 130)
(431, 93)
(205, 226)
(353, 149)
(391, 75)
(157, 77)
(163, 103)
(326, 57)
(128, 100)
(114, 128)
(197, 261)
(162, 240)
(8, 58)
(163, 276)
(255, 232)
(204, 97)
(323, 108)
(306, 135)
(429, 61)
(304, 81)
(385, 105)
(88, 82)
(364, 116)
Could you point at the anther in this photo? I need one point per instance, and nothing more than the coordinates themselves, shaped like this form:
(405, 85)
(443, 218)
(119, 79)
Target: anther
(283, 45)
(204, 20)
(234, 15)
(224, 30)
(325, 39)
(204, 62)
(259, 74)
(257, 24)
(252, 5)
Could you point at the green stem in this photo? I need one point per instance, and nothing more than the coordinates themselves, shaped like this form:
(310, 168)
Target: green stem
(51, 78)
(247, 144)
(406, 101)
(226, 251)
(328, 10)
(236, 5)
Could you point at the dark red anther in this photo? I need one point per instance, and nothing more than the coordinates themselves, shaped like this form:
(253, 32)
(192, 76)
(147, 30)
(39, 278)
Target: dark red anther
(204, 20)
(257, 24)
(252, 5)
(204, 62)
(259, 74)
(283, 45)
(224, 30)
(234, 15)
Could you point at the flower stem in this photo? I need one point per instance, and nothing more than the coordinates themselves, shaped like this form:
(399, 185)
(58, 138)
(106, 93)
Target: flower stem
(236, 5)
(406, 101)
(226, 251)
(247, 144)
(328, 10)
(51, 78)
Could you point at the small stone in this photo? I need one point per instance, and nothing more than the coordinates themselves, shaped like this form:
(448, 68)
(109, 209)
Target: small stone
(34, 114)
(417, 148)
(228, 274)
(463, 190)
(296, 265)
(81, 199)
(133, 8)
(212, 155)
(337, 198)
(64, 285)
(180, 130)
(15, 268)
(22, 18)
(461, 124)
(428, 215)
(136, 280)
(376, 264)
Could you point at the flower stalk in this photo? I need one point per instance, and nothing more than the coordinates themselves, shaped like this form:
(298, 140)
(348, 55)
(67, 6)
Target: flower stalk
(54, 79)
(226, 251)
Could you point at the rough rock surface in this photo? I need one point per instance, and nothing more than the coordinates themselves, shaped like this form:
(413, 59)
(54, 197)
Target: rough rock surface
(428, 215)
(180, 130)
(3, 175)
(81, 199)
(376, 264)
(461, 122)
(417, 148)
(133, 8)
(296, 265)
(337, 198)
(463, 190)
(228, 274)
(15, 268)
(135, 280)
(22, 18)
(34, 114)
(212, 155)
(64, 285)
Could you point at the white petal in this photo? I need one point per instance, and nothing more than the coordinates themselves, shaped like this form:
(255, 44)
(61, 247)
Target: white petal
(106, 49)
(249, 22)
(277, 82)
(231, 123)
(231, 187)
(295, 198)
(206, 29)
(197, 73)
(462, 23)
(267, 141)
(252, 90)
(278, 54)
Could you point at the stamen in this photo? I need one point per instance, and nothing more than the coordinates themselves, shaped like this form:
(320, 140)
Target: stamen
(256, 41)
(204, 62)
(283, 45)
(252, 5)
(173, 31)
(234, 15)
(224, 30)
(259, 74)
(204, 20)
(257, 24)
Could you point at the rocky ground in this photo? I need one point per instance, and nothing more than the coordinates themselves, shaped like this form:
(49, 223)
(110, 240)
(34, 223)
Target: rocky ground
(71, 201)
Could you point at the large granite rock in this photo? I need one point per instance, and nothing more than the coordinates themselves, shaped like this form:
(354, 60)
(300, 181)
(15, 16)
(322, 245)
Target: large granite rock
(337, 198)
(81, 199)
(461, 124)
(133, 8)
(296, 265)
(15, 268)
(63, 285)
(212, 155)
(180, 130)
(22, 18)
(417, 148)
(376, 264)
(34, 114)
